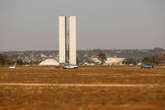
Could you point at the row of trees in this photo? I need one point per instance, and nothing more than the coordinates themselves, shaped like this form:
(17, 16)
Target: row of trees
(154, 59)
(6, 60)
(157, 59)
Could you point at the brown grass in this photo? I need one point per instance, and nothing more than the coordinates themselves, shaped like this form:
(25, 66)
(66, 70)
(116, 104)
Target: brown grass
(82, 98)
(84, 75)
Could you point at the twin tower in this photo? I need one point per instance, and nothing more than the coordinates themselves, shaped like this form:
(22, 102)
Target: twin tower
(67, 40)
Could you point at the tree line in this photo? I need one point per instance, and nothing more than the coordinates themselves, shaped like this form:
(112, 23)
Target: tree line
(155, 59)
(6, 60)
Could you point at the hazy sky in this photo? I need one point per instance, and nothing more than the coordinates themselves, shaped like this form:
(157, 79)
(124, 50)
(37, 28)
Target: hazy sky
(104, 24)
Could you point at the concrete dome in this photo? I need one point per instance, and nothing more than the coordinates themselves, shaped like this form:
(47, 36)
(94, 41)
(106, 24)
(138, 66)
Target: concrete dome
(49, 62)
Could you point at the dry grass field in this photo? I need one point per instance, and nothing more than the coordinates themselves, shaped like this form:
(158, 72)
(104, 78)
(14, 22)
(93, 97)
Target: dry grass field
(52, 97)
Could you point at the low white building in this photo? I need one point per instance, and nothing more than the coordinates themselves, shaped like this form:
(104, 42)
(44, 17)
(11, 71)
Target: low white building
(88, 64)
(94, 60)
(114, 61)
(49, 62)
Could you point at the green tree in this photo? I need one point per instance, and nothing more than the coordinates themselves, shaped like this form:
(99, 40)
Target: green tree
(2, 59)
(155, 59)
(130, 61)
(102, 57)
(163, 53)
(152, 59)
(19, 61)
(5, 60)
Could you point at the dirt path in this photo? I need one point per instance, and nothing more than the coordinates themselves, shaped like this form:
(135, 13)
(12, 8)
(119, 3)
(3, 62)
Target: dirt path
(79, 85)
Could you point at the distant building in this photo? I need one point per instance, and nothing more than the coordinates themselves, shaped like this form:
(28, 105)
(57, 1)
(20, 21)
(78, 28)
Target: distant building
(139, 64)
(49, 62)
(67, 40)
(88, 64)
(94, 60)
(43, 55)
(109, 61)
(114, 61)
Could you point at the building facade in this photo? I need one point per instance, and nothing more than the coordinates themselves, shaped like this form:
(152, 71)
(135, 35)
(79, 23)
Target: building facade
(62, 37)
(67, 40)
(72, 40)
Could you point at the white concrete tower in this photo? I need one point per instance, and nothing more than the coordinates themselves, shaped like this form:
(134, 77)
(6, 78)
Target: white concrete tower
(72, 40)
(62, 38)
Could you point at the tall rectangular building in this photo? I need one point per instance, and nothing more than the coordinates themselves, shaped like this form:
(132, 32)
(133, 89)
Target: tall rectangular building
(62, 39)
(72, 40)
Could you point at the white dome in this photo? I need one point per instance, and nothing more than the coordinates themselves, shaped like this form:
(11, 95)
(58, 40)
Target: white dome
(49, 62)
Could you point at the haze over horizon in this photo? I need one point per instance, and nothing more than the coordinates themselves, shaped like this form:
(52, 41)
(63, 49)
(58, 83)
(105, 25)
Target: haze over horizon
(103, 24)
